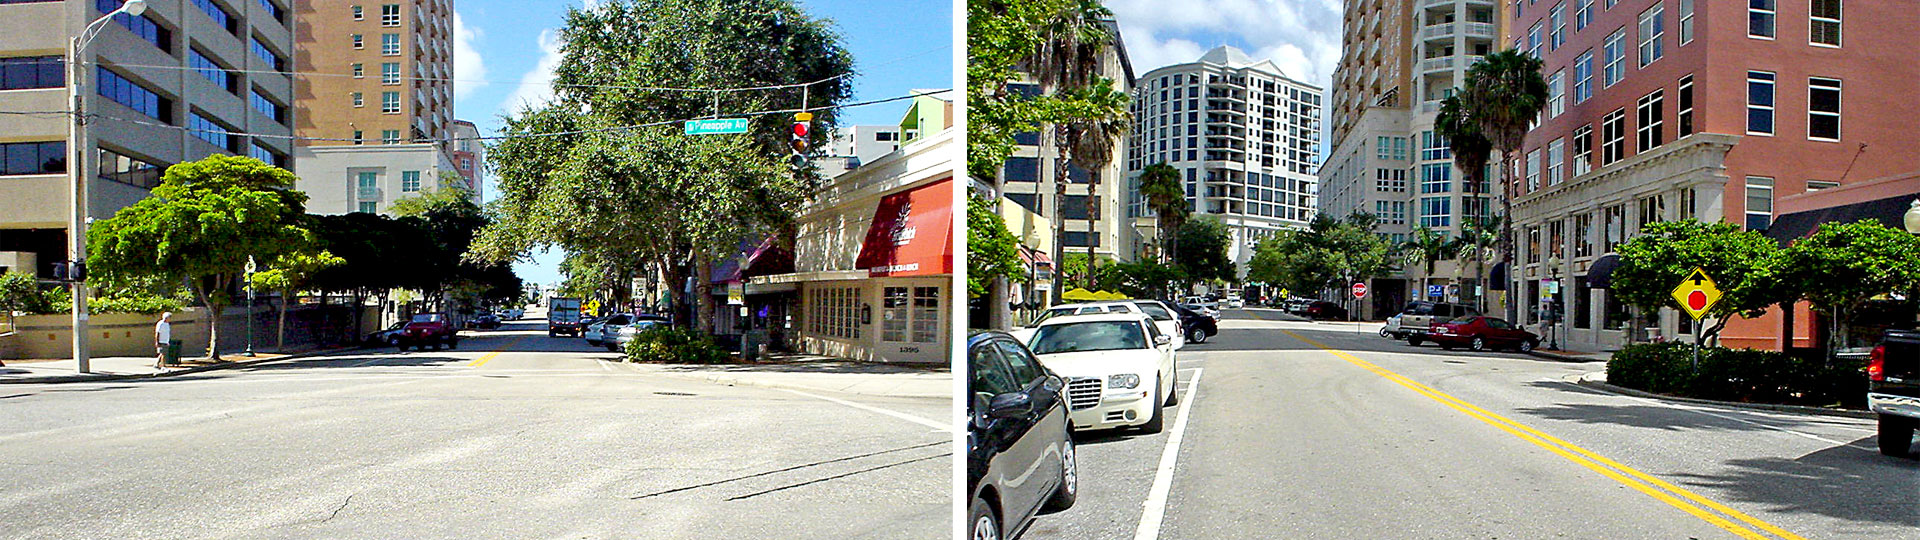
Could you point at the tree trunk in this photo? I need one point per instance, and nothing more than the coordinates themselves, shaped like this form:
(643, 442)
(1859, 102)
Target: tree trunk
(1093, 227)
(280, 328)
(1506, 228)
(703, 291)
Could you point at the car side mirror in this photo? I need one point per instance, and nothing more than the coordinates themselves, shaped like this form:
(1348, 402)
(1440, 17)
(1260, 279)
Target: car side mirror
(1010, 405)
(1162, 340)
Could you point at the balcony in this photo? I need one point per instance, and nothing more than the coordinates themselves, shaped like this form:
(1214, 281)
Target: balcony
(1429, 4)
(1436, 64)
(1430, 107)
(1439, 31)
(368, 193)
(1480, 30)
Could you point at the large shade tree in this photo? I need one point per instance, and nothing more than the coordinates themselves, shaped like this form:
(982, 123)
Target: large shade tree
(1843, 265)
(203, 222)
(1743, 264)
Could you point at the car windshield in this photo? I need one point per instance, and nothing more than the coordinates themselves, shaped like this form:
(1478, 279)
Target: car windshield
(1154, 310)
(428, 317)
(1088, 336)
(1462, 320)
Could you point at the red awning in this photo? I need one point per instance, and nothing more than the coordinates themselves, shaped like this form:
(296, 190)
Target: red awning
(911, 234)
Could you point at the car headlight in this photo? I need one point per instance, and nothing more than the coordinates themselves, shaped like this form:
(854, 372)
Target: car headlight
(1123, 380)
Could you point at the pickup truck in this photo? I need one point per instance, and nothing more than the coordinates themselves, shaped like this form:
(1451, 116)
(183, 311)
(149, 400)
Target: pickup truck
(428, 330)
(1893, 390)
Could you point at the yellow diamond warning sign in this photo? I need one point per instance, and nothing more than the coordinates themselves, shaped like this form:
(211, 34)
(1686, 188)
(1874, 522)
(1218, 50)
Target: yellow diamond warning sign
(1696, 294)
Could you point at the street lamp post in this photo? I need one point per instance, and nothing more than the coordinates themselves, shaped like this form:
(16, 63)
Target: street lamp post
(77, 172)
(1553, 305)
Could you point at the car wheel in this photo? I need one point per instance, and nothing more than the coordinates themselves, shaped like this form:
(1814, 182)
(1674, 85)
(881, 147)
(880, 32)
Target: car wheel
(1385, 334)
(1446, 347)
(1069, 489)
(613, 348)
(1158, 421)
(1414, 341)
(985, 525)
(1896, 435)
(1528, 345)
(453, 344)
(1173, 395)
(1478, 344)
(1196, 335)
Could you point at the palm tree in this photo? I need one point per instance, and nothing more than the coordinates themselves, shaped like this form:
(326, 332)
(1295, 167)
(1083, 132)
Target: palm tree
(1066, 61)
(1505, 93)
(1160, 184)
(1425, 247)
(1471, 151)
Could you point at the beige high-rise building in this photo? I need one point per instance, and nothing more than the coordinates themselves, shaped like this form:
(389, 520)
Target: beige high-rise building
(179, 82)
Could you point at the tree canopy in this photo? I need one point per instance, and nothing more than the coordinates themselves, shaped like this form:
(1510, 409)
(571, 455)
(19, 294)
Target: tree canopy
(1329, 250)
(992, 251)
(1842, 265)
(1743, 264)
(1201, 250)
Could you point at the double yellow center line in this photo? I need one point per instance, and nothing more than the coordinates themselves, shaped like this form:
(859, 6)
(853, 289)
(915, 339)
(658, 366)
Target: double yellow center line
(1639, 481)
(490, 356)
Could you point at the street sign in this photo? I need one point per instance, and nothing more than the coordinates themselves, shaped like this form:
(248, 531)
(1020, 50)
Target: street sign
(1696, 294)
(1436, 290)
(716, 126)
(1359, 290)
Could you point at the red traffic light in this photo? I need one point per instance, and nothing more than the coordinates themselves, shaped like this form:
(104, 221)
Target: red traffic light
(802, 124)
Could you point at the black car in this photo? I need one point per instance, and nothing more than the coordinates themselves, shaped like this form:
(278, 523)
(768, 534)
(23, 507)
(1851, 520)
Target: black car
(485, 321)
(1020, 456)
(1198, 325)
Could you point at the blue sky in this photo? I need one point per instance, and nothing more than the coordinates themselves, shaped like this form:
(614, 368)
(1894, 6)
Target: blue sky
(504, 53)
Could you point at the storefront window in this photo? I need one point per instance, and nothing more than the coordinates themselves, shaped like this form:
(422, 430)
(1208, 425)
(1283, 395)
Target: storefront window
(834, 312)
(894, 314)
(1615, 317)
(1582, 316)
(926, 314)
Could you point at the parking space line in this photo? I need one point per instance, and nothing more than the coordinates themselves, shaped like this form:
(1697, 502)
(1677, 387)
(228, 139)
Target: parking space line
(1621, 473)
(938, 426)
(1156, 506)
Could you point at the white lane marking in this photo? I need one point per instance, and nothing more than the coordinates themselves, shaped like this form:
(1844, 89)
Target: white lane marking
(938, 426)
(1156, 505)
(603, 365)
(380, 359)
(1695, 410)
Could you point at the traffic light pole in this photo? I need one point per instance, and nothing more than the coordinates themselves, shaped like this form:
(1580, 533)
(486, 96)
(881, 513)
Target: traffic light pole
(77, 204)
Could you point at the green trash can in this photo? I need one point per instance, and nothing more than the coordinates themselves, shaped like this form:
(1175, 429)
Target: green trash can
(173, 352)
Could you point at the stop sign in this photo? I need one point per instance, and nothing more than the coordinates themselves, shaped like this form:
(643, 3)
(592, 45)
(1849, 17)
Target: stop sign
(1359, 290)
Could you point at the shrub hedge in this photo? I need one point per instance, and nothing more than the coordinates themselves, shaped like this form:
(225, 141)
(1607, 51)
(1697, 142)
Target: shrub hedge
(1743, 375)
(663, 344)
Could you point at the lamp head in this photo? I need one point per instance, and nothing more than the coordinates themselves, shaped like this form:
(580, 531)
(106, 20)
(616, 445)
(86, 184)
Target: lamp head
(1913, 217)
(134, 7)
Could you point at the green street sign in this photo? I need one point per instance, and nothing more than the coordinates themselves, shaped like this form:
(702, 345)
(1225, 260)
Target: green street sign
(717, 126)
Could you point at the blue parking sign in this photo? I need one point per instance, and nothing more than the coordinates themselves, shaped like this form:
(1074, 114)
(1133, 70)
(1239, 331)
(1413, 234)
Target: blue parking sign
(1436, 291)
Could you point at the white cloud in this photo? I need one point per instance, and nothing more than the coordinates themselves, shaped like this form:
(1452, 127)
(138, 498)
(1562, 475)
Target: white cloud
(1300, 36)
(469, 70)
(536, 86)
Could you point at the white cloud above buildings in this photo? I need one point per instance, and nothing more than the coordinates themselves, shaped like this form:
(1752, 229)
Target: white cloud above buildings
(1302, 37)
(469, 69)
(536, 86)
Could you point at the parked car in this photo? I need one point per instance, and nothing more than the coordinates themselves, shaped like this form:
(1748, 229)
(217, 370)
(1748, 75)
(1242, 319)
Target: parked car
(1199, 325)
(485, 321)
(1234, 302)
(1323, 310)
(1479, 333)
(1200, 308)
(1119, 368)
(1164, 317)
(1020, 455)
(1893, 390)
(624, 335)
(605, 328)
(1298, 306)
(428, 330)
(512, 314)
(1418, 317)
(389, 337)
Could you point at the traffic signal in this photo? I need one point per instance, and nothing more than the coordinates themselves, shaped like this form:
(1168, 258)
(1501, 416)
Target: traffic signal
(802, 126)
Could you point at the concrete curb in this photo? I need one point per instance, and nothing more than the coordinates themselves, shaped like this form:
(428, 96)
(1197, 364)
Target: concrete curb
(1561, 357)
(195, 369)
(1799, 409)
(733, 380)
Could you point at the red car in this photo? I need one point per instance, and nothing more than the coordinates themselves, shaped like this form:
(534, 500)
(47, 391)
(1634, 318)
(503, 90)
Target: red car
(428, 329)
(1480, 333)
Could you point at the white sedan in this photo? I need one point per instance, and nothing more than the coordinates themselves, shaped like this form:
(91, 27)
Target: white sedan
(1118, 366)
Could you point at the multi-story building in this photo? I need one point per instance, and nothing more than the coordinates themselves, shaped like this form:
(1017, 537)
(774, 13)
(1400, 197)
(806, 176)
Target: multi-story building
(1244, 137)
(1034, 178)
(469, 156)
(850, 146)
(1401, 57)
(179, 82)
(1704, 109)
(388, 82)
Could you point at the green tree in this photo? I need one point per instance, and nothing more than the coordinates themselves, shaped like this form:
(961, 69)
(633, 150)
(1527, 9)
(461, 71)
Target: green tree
(1743, 264)
(1328, 251)
(992, 252)
(287, 275)
(1476, 234)
(1060, 43)
(634, 198)
(1160, 186)
(1504, 95)
(1425, 247)
(1202, 245)
(20, 292)
(200, 225)
(1471, 152)
(1842, 265)
(1141, 279)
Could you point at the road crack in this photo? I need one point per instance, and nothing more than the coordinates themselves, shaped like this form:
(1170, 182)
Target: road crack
(337, 509)
(793, 468)
(838, 476)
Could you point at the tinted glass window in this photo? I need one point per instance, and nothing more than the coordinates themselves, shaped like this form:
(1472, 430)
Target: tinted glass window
(1025, 368)
(987, 373)
(1498, 324)
(1089, 336)
(1153, 309)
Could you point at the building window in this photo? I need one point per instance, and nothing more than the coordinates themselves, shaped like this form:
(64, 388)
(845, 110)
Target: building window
(215, 74)
(1583, 77)
(1760, 18)
(834, 312)
(359, 100)
(1582, 150)
(273, 11)
(1824, 23)
(389, 44)
(359, 137)
(1686, 21)
(1436, 178)
(1583, 15)
(29, 72)
(1686, 106)
(265, 155)
(1759, 103)
(1823, 109)
(409, 181)
(1817, 185)
(131, 94)
(1391, 180)
(1023, 169)
(1557, 18)
(220, 15)
(128, 170)
(142, 27)
(359, 41)
(1688, 203)
(368, 184)
(33, 158)
(390, 102)
(359, 70)
(274, 59)
(1651, 210)
(1613, 137)
(1433, 146)
(1556, 94)
(1436, 212)
(1556, 161)
(1759, 203)
(390, 73)
(206, 129)
(1533, 170)
(1583, 235)
(390, 15)
(389, 136)
(1533, 39)
(272, 110)
(1648, 131)
(1652, 28)
(1616, 50)
(359, 13)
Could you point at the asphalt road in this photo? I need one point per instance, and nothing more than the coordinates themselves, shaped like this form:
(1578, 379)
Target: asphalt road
(1286, 438)
(513, 435)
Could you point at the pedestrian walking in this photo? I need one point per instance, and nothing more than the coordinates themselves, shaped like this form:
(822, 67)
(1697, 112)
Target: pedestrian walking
(162, 336)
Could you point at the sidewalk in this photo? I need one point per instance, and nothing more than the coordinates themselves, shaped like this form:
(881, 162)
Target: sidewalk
(822, 374)
(112, 368)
